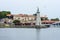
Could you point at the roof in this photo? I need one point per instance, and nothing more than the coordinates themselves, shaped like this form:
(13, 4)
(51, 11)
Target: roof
(25, 15)
(48, 21)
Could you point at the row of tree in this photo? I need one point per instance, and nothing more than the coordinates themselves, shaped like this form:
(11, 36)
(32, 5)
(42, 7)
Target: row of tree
(55, 19)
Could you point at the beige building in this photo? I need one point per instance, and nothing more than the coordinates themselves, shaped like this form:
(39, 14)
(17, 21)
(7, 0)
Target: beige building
(24, 18)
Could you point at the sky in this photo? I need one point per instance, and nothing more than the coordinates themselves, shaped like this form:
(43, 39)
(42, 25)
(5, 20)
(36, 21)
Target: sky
(51, 8)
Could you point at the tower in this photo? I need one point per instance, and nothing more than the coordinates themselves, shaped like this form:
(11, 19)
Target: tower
(38, 18)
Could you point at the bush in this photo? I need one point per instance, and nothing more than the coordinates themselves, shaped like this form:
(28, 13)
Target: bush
(16, 22)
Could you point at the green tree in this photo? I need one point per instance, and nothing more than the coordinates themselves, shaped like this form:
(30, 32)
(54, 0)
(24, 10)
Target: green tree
(44, 18)
(35, 14)
(55, 19)
(4, 13)
(16, 22)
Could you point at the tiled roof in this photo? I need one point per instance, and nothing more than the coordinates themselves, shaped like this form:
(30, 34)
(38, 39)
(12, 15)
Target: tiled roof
(48, 21)
(25, 15)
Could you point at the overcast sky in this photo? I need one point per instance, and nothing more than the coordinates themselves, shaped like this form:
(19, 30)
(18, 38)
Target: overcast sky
(51, 8)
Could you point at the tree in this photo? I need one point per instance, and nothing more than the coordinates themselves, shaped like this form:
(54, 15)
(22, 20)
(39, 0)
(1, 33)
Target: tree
(35, 14)
(16, 22)
(4, 13)
(44, 18)
(56, 19)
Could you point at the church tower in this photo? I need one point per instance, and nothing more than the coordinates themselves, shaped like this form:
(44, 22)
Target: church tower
(38, 18)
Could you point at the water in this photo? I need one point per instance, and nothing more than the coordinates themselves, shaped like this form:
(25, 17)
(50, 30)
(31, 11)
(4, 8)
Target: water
(29, 34)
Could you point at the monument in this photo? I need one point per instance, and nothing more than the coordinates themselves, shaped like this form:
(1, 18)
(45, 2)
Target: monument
(38, 23)
(38, 18)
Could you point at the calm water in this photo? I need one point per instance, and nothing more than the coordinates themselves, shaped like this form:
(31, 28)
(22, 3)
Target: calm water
(29, 34)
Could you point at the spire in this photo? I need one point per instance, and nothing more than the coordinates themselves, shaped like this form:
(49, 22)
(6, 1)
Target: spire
(38, 10)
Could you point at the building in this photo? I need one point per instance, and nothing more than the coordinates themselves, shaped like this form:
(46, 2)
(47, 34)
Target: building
(8, 19)
(27, 19)
(24, 18)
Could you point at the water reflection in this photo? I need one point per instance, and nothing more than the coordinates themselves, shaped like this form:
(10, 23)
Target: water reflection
(37, 34)
(29, 34)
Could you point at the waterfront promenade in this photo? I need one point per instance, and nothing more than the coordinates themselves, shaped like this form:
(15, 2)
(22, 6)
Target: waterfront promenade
(20, 26)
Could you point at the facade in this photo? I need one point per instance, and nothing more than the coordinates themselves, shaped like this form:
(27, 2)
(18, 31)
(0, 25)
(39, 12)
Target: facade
(28, 19)
(9, 19)
(24, 18)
